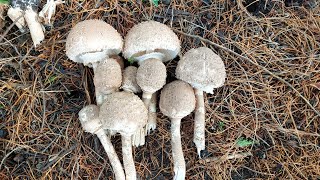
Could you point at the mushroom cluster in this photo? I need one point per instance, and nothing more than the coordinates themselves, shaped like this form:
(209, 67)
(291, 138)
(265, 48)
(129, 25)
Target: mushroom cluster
(119, 108)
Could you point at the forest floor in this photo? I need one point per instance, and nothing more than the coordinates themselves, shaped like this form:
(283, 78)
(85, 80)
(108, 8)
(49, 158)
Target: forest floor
(264, 123)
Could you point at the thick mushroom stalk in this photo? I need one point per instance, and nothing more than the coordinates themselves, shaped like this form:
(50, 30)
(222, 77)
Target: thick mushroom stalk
(152, 115)
(89, 118)
(204, 70)
(29, 10)
(177, 100)
(179, 166)
(150, 44)
(125, 113)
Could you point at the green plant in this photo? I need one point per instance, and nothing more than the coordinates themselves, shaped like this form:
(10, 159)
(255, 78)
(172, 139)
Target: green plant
(242, 142)
(4, 1)
(131, 60)
(221, 125)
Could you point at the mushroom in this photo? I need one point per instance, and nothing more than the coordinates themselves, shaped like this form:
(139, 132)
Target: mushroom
(150, 44)
(107, 79)
(204, 70)
(29, 11)
(129, 83)
(92, 41)
(125, 113)
(89, 118)
(177, 100)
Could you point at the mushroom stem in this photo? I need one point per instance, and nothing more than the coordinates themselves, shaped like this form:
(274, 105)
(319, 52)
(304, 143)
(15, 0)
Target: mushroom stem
(112, 155)
(177, 153)
(152, 114)
(128, 162)
(199, 122)
(35, 27)
(146, 98)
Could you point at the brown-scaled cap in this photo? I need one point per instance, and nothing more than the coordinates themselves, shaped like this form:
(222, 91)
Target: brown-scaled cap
(202, 68)
(129, 82)
(151, 36)
(89, 118)
(123, 112)
(151, 75)
(92, 41)
(177, 99)
(107, 77)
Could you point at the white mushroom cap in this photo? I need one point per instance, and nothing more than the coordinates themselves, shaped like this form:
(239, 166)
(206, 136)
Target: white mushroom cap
(107, 76)
(151, 36)
(123, 112)
(92, 41)
(151, 75)
(89, 118)
(177, 99)
(202, 68)
(129, 82)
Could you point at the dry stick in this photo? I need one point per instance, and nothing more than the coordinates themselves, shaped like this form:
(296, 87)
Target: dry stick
(228, 157)
(252, 62)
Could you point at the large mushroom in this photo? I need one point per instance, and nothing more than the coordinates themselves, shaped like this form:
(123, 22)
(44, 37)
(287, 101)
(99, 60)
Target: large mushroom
(177, 100)
(125, 113)
(204, 70)
(92, 41)
(150, 44)
(89, 118)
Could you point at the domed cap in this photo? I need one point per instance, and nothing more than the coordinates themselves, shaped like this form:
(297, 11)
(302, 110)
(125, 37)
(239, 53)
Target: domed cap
(107, 76)
(177, 99)
(123, 112)
(151, 75)
(202, 68)
(129, 82)
(92, 41)
(89, 118)
(151, 36)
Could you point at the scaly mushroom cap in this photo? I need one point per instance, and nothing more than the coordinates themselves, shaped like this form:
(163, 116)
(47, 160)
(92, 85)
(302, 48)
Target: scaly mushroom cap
(151, 36)
(129, 82)
(89, 118)
(151, 75)
(202, 68)
(123, 112)
(177, 99)
(107, 76)
(92, 41)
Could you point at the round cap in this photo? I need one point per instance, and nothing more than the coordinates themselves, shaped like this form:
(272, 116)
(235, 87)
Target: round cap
(151, 36)
(202, 68)
(151, 75)
(89, 118)
(129, 82)
(92, 41)
(123, 112)
(107, 76)
(177, 99)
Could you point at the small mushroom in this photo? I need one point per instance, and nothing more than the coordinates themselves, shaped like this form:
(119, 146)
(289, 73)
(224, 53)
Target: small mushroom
(107, 79)
(129, 83)
(125, 113)
(92, 41)
(204, 70)
(177, 100)
(23, 11)
(89, 118)
(150, 44)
